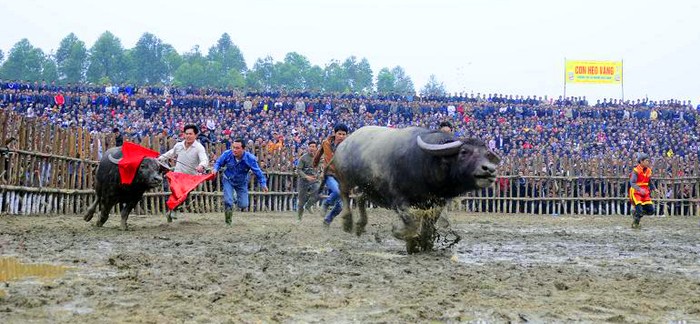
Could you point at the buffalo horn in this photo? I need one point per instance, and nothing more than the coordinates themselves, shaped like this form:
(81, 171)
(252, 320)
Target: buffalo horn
(440, 149)
(164, 165)
(113, 159)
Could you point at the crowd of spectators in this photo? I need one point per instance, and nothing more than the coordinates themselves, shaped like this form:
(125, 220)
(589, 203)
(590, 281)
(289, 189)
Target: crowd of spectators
(535, 135)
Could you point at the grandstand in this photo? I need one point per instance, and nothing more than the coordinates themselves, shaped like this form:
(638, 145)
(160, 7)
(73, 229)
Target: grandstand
(538, 137)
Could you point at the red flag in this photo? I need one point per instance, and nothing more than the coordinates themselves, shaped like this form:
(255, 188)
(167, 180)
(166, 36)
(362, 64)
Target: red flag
(181, 184)
(133, 154)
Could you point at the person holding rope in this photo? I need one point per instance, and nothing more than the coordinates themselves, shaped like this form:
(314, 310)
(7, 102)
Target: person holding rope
(189, 155)
(237, 163)
(640, 189)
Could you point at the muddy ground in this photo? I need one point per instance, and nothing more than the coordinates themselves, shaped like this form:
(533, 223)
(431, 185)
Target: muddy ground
(269, 268)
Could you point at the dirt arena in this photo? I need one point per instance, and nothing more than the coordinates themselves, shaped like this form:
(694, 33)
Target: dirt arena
(269, 268)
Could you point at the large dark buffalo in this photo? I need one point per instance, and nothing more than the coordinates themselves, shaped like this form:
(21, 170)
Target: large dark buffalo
(408, 168)
(110, 191)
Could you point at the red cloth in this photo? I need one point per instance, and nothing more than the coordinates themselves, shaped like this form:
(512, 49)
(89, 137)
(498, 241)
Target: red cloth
(181, 184)
(132, 154)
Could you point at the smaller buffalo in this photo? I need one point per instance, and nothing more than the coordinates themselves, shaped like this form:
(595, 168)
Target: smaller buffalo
(110, 190)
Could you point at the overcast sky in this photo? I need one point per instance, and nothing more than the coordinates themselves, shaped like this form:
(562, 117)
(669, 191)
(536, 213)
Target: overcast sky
(504, 46)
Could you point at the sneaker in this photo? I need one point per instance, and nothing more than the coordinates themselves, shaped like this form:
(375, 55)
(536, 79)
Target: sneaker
(169, 216)
(326, 224)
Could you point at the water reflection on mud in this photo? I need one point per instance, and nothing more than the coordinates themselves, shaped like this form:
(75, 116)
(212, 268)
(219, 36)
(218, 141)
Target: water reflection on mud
(13, 269)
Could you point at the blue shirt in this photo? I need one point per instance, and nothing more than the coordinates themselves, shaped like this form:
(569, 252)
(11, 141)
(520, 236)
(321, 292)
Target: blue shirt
(237, 171)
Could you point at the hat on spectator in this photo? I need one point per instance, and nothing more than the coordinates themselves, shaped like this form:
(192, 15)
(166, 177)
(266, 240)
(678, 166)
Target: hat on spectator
(642, 156)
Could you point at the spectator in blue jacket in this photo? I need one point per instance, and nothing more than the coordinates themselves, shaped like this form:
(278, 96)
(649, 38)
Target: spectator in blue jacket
(237, 163)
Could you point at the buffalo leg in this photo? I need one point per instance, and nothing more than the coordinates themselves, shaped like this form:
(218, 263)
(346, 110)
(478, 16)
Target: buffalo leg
(427, 233)
(125, 213)
(406, 228)
(346, 212)
(104, 214)
(362, 221)
(91, 210)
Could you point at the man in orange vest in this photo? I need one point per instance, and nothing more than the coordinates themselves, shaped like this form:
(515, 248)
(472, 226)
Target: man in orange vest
(640, 189)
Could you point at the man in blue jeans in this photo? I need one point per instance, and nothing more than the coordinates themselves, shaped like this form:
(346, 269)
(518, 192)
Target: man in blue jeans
(238, 163)
(324, 156)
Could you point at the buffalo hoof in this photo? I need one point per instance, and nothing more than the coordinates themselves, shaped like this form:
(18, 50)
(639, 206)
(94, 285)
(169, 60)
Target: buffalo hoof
(359, 230)
(99, 224)
(412, 246)
(88, 217)
(347, 224)
(425, 243)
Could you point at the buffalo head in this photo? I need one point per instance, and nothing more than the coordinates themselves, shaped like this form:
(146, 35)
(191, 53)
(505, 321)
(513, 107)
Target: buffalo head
(469, 161)
(150, 170)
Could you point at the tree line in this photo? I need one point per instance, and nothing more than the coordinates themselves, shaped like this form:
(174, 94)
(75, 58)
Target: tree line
(155, 62)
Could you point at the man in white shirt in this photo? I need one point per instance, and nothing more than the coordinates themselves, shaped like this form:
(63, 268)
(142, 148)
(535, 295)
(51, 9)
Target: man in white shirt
(189, 155)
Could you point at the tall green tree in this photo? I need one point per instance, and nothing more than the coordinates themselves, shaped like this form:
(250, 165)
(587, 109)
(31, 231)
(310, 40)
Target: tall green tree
(262, 76)
(2, 57)
(225, 63)
(433, 88)
(314, 79)
(194, 56)
(214, 74)
(234, 79)
(71, 59)
(107, 62)
(49, 70)
(358, 75)
(24, 62)
(228, 54)
(403, 84)
(293, 73)
(172, 60)
(129, 64)
(190, 75)
(191, 72)
(148, 60)
(385, 81)
(335, 78)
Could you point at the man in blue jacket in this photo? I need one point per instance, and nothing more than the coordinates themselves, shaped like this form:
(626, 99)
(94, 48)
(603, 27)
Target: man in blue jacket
(237, 162)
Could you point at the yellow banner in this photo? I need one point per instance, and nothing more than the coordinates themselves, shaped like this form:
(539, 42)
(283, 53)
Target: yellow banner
(609, 72)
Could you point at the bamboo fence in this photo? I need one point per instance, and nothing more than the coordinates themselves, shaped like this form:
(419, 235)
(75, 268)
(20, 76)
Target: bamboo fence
(48, 169)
